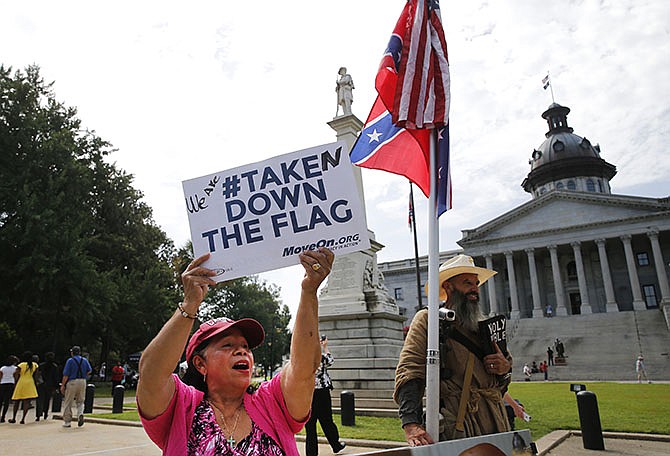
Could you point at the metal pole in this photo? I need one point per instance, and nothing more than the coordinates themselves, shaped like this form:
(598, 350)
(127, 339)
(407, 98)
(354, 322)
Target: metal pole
(433, 353)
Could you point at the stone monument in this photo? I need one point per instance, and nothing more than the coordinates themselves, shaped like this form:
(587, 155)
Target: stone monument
(344, 87)
(356, 312)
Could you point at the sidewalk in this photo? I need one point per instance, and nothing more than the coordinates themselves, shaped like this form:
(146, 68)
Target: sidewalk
(112, 437)
(569, 443)
(109, 437)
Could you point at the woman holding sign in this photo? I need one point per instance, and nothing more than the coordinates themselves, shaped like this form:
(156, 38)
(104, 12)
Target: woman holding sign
(214, 411)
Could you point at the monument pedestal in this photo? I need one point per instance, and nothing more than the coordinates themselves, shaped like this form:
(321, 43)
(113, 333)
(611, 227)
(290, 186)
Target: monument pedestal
(362, 323)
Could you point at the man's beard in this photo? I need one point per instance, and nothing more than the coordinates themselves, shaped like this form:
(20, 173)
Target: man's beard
(467, 310)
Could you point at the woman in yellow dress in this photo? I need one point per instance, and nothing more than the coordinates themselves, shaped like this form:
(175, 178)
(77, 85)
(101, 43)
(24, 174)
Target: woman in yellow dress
(25, 388)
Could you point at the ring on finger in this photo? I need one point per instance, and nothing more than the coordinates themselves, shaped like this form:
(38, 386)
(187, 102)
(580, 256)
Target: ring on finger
(316, 266)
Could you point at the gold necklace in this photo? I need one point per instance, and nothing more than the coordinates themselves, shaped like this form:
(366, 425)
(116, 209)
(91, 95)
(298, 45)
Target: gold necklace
(230, 439)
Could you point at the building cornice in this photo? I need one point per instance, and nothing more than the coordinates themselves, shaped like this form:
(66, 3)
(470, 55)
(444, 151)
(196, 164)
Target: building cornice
(661, 205)
(529, 236)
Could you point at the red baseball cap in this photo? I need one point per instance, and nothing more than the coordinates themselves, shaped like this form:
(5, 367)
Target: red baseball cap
(251, 330)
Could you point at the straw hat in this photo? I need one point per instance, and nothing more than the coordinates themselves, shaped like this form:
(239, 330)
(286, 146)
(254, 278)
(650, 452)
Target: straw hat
(461, 264)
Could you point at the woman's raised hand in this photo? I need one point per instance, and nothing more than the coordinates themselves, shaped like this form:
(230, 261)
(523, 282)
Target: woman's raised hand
(196, 280)
(318, 264)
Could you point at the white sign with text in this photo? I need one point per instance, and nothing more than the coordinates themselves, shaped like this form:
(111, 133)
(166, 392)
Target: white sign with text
(260, 216)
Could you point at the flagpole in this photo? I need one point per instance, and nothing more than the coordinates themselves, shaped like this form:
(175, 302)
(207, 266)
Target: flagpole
(433, 354)
(416, 245)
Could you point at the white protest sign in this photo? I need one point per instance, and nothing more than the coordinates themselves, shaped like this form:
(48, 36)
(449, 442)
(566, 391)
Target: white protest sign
(261, 216)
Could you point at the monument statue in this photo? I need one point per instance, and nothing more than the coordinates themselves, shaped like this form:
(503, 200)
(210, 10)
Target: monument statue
(344, 88)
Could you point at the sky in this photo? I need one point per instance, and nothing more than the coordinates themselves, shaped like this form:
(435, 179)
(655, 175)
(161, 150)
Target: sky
(183, 90)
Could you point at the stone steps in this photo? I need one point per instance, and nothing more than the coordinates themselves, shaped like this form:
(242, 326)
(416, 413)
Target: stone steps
(598, 346)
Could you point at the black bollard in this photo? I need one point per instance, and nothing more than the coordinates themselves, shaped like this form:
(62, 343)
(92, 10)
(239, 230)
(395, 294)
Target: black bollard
(589, 420)
(117, 399)
(57, 401)
(90, 395)
(347, 410)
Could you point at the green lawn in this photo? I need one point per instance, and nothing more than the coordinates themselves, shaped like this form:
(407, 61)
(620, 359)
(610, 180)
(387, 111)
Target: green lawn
(623, 408)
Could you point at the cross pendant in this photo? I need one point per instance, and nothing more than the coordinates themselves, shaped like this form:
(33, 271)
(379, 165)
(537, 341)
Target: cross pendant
(231, 441)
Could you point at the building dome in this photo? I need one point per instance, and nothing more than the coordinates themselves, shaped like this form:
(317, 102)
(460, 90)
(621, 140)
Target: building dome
(566, 161)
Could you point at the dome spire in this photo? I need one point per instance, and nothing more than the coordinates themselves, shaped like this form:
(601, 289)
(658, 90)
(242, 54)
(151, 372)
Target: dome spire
(557, 119)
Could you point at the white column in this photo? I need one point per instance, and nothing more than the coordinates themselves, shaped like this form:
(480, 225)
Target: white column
(581, 278)
(561, 306)
(534, 286)
(512, 286)
(638, 302)
(660, 267)
(491, 287)
(611, 305)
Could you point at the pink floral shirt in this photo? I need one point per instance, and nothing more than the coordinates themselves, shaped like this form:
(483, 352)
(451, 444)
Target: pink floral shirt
(207, 439)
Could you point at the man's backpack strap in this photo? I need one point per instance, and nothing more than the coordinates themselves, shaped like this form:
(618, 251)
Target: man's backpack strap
(465, 393)
(467, 343)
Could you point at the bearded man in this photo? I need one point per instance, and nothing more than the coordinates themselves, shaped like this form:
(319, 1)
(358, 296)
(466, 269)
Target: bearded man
(464, 412)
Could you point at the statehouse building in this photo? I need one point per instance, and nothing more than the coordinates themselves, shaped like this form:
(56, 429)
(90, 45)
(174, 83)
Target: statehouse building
(575, 246)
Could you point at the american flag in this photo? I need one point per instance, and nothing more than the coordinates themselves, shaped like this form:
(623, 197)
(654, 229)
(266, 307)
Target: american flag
(422, 93)
(404, 149)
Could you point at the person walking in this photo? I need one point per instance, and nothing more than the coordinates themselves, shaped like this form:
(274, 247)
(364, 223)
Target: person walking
(322, 407)
(641, 370)
(118, 374)
(39, 382)
(102, 372)
(73, 386)
(544, 368)
(51, 381)
(25, 388)
(550, 356)
(7, 383)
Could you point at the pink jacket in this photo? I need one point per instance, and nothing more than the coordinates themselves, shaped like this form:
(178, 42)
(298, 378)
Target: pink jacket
(266, 407)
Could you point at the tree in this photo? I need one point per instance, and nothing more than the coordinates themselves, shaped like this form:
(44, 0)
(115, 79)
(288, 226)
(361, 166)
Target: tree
(247, 297)
(81, 260)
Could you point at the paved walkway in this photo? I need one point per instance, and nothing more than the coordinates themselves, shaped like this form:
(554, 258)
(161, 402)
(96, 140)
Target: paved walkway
(616, 444)
(99, 438)
(95, 438)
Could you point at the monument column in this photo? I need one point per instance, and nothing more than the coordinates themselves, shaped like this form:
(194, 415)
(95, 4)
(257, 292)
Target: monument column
(611, 305)
(561, 307)
(516, 314)
(659, 264)
(638, 302)
(361, 319)
(534, 285)
(585, 307)
(491, 287)
(347, 129)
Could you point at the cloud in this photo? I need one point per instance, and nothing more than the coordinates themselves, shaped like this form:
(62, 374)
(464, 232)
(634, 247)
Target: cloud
(183, 90)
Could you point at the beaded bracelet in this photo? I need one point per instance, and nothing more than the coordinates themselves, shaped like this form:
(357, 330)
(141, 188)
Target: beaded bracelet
(186, 314)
